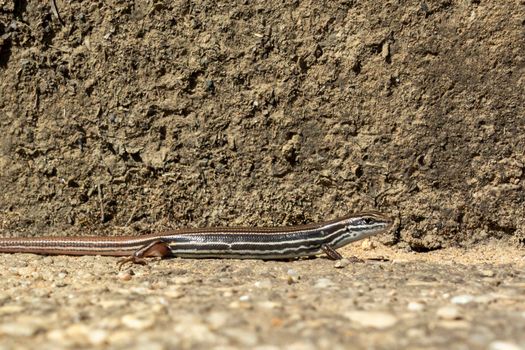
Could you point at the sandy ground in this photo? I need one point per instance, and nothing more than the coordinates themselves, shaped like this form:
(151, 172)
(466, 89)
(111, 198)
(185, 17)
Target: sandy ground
(452, 298)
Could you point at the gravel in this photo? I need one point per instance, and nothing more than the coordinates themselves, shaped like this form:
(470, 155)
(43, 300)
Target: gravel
(432, 300)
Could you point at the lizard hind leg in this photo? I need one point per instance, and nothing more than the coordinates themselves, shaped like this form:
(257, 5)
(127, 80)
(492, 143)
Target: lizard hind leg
(155, 249)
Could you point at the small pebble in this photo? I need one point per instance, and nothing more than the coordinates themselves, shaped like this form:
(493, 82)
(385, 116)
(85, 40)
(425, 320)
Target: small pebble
(266, 347)
(293, 276)
(301, 346)
(227, 294)
(454, 324)
(73, 334)
(243, 305)
(144, 342)
(503, 345)
(112, 303)
(161, 284)
(173, 291)
(27, 271)
(193, 330)
(485, 299)
(415, 333)
(243, 336)
(10, 309)
(268, 304)
(264, 284)
(59, 284)
(323, 283)
(138, 322)
(139, 290)
(84, 275)
(182, 280)
(97, 336)
(415, 306)
(244, 298)
(217, 319)
(487, 273)
(125, 275)
(19, 329)
(367, 244)
(373, 319)
(342, 263)
(449, 313)
(462, 299)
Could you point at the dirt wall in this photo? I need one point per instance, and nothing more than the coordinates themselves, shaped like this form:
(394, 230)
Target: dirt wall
(138, 117)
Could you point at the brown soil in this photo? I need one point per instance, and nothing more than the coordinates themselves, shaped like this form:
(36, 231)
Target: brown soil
(134, 117)
(139, 117)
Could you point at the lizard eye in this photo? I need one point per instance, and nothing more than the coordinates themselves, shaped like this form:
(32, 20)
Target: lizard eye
(366, 221)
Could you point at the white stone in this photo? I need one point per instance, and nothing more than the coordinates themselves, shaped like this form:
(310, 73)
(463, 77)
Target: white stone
(19, 329)
(462, 299)
(504, 345)
(264, 284)
(323, 283)
(342, 263)
(373, 319)
(138, 322)
(449, 313)
(415, 306)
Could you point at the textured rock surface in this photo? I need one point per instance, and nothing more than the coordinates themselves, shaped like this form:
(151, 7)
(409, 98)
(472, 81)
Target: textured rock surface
(409, 301)
(135, 117)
